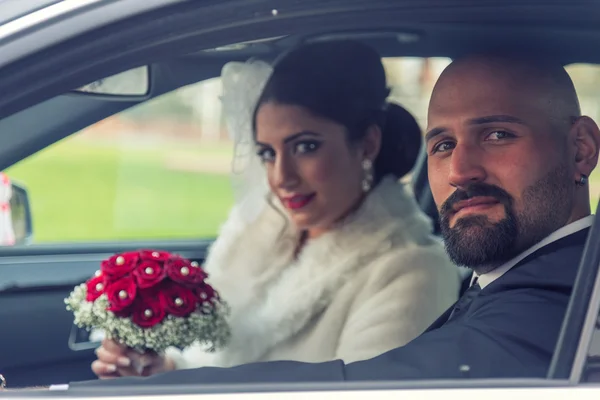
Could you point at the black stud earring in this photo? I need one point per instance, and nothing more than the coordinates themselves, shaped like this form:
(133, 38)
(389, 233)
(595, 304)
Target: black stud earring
(582, 181)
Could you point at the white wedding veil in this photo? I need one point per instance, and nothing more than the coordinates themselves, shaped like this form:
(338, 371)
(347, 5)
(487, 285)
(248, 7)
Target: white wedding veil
(243, 83)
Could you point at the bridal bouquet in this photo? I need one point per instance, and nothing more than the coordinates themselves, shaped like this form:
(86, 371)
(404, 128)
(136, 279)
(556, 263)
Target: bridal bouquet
(150, 300)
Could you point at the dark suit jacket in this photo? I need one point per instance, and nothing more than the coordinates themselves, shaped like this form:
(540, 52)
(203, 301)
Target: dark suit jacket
(509, 330)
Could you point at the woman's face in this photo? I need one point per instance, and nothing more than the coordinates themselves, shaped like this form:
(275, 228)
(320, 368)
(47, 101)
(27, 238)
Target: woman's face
(311, 167)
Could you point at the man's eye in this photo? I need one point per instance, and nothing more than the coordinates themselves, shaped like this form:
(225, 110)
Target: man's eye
(442, 147)
(499, 135)
(266, 155)
(307, 147)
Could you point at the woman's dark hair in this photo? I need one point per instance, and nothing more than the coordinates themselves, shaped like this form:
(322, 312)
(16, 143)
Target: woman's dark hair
(345, 81)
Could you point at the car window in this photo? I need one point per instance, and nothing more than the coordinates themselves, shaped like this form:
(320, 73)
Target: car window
(160, 170)
(156, 171)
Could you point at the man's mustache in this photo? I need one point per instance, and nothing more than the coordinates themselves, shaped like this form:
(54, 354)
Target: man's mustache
(475, 190)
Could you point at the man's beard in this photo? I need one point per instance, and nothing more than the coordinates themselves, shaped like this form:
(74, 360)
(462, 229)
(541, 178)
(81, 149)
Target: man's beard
(476, 242)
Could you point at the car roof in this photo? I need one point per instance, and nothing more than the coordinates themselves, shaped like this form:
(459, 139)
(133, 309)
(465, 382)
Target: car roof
(12, 9)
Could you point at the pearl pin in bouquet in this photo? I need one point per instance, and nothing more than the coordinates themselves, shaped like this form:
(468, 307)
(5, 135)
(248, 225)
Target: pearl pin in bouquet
(150, 300)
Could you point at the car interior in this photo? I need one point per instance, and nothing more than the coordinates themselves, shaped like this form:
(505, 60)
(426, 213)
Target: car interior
(42, 346)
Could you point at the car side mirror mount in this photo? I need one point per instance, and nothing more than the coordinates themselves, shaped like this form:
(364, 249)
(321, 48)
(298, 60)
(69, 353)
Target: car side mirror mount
(17, 229)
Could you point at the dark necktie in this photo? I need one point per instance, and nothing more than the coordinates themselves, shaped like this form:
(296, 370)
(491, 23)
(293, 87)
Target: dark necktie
(465, 301)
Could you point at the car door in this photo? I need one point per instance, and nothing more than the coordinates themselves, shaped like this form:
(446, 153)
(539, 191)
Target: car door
(151, 177)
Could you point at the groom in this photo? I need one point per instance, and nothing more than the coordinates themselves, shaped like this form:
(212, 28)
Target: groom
(509, 155)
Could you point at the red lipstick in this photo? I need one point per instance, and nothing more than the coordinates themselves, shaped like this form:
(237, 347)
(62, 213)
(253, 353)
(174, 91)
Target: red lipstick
(297, 201)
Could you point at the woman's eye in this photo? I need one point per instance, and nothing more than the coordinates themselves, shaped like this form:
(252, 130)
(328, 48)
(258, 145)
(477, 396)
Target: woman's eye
(266, 155)
(307, 147)
(442, 147)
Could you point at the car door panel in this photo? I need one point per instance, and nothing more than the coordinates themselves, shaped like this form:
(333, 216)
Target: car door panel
(40, 345)
(36, 348)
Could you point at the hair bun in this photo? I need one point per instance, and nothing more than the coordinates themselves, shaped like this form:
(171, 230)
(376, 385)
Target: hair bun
(400, 143)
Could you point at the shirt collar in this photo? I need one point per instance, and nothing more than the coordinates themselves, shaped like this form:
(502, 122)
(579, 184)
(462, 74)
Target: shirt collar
(486, 279)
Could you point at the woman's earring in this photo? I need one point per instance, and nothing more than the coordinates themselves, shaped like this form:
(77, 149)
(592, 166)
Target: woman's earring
(582, 181)
(367, 181)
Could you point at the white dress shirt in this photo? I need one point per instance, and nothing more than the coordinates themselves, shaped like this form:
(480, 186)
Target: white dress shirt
(486, 279)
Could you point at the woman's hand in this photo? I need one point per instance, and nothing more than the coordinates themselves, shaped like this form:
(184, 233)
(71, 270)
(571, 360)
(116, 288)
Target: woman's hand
(115, 360)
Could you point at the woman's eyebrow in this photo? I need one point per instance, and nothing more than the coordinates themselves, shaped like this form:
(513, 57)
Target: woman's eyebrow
(292, 138)
(299, 135)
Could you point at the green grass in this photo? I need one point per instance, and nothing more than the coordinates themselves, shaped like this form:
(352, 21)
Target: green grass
(86, 191)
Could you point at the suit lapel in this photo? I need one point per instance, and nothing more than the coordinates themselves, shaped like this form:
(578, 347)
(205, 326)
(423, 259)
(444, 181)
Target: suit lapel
(573, 239)
(441, 320)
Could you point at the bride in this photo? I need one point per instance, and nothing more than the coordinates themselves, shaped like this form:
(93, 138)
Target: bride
(325, 255)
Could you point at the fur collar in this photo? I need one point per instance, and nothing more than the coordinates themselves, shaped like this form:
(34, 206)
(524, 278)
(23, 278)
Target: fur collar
(272, 296)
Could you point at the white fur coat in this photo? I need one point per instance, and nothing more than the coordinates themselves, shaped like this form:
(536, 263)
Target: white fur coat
(372, 284)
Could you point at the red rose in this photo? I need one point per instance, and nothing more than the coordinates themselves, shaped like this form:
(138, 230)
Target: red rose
(124, 313)
(206, 293)
(119, 265)
(149, 274)
(95, 287)
(185, 272)
(121, 294)
(154, 255)
(148, 311)
(179, 301)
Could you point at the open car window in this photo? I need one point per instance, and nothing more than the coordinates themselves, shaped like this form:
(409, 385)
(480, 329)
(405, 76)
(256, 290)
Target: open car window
(159, 170)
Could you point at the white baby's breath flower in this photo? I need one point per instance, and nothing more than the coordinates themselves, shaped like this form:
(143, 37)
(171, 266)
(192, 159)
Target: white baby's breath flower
(207, 325)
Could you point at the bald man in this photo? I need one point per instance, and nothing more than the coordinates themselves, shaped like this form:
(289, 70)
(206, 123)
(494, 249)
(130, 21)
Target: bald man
(508, 157)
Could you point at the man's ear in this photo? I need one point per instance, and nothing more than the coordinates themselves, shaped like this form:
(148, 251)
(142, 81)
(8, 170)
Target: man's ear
(586, 136)
(372, 142)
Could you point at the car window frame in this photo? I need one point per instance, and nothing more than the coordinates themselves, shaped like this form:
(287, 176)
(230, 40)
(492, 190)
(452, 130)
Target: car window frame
(581, 316)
